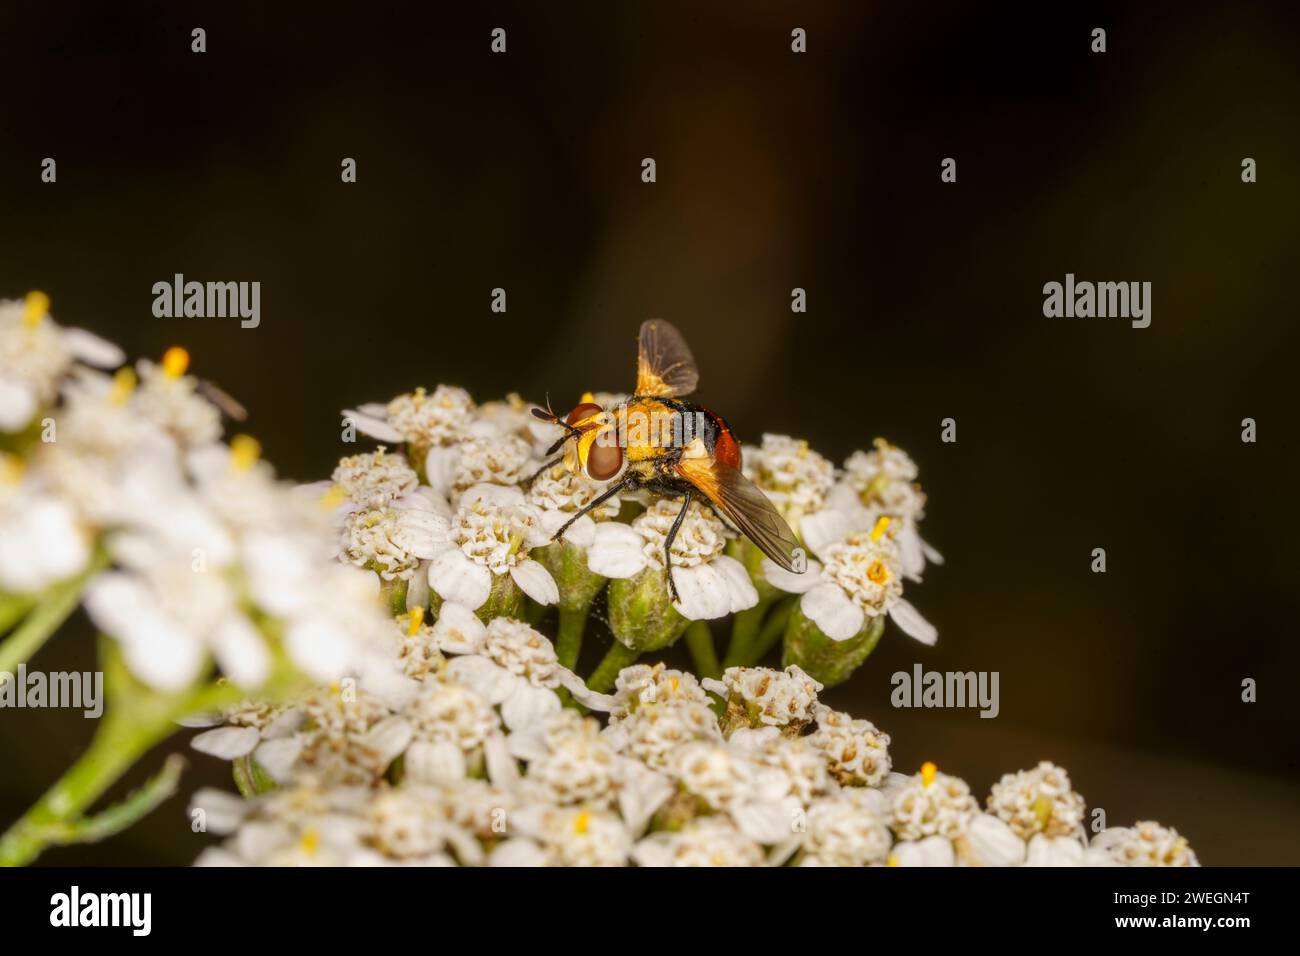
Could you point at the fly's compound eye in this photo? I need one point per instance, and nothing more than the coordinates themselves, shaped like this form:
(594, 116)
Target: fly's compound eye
(585, 410)
(604, 460)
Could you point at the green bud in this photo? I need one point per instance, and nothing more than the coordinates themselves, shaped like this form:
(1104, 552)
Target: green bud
(567, 563)
(641, 614)
(250, 779)
(393, 594)
(822, 658)
(504, 600)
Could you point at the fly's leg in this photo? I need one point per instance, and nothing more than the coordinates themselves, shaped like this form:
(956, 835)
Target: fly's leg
(596, 502)
(668, 544)
(550, 464)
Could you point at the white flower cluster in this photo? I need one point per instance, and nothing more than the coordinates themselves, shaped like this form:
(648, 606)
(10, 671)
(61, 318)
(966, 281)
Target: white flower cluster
(479, 763)
(455, 733)
(861, 522)
(196, 552)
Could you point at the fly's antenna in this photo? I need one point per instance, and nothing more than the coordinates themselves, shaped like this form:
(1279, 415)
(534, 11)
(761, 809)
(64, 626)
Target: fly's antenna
(547, 415)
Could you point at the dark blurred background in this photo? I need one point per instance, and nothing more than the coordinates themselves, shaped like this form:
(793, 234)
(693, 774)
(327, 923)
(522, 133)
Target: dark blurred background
(775, 170)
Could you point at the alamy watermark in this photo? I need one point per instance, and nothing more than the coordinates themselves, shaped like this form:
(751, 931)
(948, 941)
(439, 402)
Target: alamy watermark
(950, 689)
(1102, 300)
(209, 300)
(78, 690)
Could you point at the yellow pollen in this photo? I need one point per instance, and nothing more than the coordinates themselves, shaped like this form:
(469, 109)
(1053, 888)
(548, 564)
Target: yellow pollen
(882, 523)
(244, 452)
(333, 498)
(11, 469)
(124, 382)
(893, 860)
(417, 619)
(35, 308)
(581, 822)
(588, 397)
(310, 841)
(1042, 809)
(928, 772)
(877, 572)
(675, 682)
(175, 361)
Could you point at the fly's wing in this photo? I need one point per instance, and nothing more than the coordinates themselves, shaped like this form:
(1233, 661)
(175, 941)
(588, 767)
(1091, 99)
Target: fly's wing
(664, 365)
(745, 506)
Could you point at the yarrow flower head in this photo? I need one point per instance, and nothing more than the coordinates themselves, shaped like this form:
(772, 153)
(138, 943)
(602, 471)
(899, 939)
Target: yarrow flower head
(856, 753)
(931, 804)
(419, 419)
(1038, 801)
(795, 478)
(373, 479)
(845, 598)
(758, 696)
(1146, 843)
(489, 538)
(882, 482)
(709, 583)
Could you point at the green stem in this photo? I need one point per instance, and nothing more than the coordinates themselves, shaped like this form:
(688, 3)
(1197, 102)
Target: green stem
(618, 657)
(136, 720)
(773, 629)
(568, 639)
(699, 640)
(53, 609)
(744, 631)
(119, 743)
(13, 607)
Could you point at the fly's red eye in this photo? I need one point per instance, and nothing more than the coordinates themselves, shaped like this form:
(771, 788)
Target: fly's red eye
(604, 460)
(585, 410)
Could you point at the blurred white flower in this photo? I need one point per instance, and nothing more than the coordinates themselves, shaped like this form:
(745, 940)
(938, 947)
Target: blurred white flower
(703, 841)
(36, 353)
(1146, 843)
(43, 540)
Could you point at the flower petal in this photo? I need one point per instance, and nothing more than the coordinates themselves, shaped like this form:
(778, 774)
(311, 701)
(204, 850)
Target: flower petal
(616, 551)
(442, 762)
(458, 629)
(739, 587)
(824, 528)
(528, 705)
(486, 678)
(831, 609)
(913, 625)
(227, 743)
(457, 578)
(535, 581)
(241, 652)
(703, 593)
(373, 426)
(790, 582)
